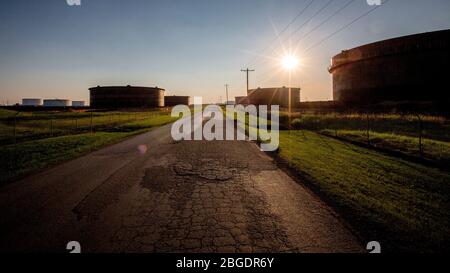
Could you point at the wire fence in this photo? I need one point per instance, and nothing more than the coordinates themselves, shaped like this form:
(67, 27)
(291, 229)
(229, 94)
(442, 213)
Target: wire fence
(413, 134)
(24, 126)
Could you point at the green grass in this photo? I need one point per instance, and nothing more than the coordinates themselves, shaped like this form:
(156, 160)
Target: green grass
(44, 124)
(4, 113)
(403, 205)
(436, 128)
(387, 131)
(438, 151)
(23, 158)
(144, 124)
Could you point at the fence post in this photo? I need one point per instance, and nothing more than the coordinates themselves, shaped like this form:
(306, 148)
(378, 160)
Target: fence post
(420, 135)
(91, 122)
(15, 127)
(368, 129)
(335, 124)
(51, 125)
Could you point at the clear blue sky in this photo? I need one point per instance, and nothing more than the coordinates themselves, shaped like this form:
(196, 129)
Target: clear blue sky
(189, 47)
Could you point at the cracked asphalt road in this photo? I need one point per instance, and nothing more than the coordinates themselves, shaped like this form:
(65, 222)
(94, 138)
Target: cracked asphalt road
(187, 196)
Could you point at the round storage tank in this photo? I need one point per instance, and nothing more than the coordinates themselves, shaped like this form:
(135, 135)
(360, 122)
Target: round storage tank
(31, 102)
(410, 68)
(243, 100)
(176, 100)
(78, 103)
(126, 97)
(56, 103)
(274, 96)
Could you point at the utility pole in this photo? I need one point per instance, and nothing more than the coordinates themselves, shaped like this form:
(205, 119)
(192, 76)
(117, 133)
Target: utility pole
(247, 71)
(226, 90)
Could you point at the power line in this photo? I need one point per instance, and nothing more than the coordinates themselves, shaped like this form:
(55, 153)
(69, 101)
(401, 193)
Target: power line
(345, 26)
(307, 21)
(340, 29)
(326, 20)
(284, 29)
(312, 17)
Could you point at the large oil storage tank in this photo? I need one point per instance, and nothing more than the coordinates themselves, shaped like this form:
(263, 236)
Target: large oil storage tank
(243, 100)
(274, 96)
(410, 68)
(176, 100)
(56, 103)
(126, 96)
(31, 102)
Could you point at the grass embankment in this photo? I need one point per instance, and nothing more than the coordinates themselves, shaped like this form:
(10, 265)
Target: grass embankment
(20, 159)
(403, 205)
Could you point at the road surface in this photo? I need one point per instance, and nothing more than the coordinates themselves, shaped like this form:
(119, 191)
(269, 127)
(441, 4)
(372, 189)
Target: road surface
(151, 194)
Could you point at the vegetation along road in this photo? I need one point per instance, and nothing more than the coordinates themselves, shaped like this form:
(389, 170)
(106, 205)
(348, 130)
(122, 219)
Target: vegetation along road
(322, 191)
(151, 194)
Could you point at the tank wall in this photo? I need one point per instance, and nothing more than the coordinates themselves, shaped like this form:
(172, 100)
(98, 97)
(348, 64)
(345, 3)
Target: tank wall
(404, 69)
(78, 103)
(176, 100)
(56, 103)
(241, 100)
(31, 102)
(118, 97)
(274, 96)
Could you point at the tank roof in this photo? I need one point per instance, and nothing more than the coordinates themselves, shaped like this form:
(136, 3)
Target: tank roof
(413, 37)
(125, 86)
(422, 41)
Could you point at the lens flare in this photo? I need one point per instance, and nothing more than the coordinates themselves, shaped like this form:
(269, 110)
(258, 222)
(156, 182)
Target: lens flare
(289, 62)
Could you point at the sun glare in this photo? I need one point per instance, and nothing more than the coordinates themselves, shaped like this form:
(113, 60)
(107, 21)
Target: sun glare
(289, 62)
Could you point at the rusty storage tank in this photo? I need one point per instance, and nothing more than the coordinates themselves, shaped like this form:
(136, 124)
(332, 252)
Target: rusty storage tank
(126, 96)
(176, 100)
(274, 96)
(410, 68)
(243, 100)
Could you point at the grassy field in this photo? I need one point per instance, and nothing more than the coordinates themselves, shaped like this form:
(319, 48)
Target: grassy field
(388, 131)
(403, 205)
(43, 150)
(433, 127)
(16, 127)
(435, 150)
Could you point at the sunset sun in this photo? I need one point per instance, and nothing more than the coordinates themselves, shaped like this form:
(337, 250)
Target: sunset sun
(289, 62)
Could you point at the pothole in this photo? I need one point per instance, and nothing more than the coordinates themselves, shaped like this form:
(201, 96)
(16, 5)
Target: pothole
(208, 169)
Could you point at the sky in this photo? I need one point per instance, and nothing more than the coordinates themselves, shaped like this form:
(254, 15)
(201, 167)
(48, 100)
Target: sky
(49, 49)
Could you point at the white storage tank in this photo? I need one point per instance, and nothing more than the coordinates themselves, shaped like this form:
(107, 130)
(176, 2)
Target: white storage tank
(78, 103)
(56, 103)
(31, 102)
